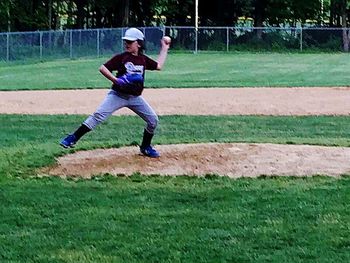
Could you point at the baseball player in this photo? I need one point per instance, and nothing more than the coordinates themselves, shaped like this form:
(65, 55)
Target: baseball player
(126, 90)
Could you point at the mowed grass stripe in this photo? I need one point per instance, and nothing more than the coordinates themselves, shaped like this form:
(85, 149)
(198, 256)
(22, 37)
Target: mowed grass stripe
(175, 219)
(31, 141)
(190, 70)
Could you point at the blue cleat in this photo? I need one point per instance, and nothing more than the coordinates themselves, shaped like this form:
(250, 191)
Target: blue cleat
(69, 141)
(149, 151)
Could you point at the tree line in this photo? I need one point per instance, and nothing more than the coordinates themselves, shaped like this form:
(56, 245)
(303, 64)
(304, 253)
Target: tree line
(32, 15)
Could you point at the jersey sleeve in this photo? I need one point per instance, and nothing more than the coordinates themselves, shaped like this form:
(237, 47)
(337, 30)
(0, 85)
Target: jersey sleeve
(113, 63)
(150, 63)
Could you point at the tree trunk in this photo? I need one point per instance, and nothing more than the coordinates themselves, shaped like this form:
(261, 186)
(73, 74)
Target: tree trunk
(346, 39)
(259, 15)
(331, 13)
(126, 11)
(80, 13)
(98, 16)
(49, 14)
(8, 19)
(346, 34)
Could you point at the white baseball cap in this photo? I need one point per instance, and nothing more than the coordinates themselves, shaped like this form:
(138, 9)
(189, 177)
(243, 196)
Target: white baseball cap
(133, 34)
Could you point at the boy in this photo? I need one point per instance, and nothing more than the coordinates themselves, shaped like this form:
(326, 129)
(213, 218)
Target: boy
(126, 90)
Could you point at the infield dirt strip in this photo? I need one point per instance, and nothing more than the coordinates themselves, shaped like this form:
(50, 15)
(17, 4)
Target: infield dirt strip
(198, 101)
(234, 160)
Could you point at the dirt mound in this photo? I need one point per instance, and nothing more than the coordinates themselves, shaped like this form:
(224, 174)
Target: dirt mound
(233, 160)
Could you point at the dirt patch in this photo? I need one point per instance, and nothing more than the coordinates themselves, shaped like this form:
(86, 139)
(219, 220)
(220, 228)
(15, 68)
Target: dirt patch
(199, 101)
(233, 160)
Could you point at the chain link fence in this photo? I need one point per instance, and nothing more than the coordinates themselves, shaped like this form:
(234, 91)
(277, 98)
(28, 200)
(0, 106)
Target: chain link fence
(46, 45)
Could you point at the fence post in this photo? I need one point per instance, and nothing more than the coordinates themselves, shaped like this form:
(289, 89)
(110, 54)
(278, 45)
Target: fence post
(98, 42)
(8, 47)
(227, 39)
(196, 41)
(41, 45)
(301, 39)
(121, 41)
(71, 44)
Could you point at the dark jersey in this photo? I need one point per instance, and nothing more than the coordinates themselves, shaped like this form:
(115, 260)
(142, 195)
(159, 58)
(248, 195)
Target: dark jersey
(128, 63)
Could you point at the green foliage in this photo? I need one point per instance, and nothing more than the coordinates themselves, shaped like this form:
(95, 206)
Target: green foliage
(269, 41)
(43, 15)
(328, 41)
(216, 46)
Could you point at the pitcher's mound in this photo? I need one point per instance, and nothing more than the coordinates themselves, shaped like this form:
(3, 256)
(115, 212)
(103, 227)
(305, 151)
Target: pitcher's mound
(231, 159)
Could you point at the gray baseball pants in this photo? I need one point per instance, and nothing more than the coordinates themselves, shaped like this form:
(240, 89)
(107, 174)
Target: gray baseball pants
(115, 101)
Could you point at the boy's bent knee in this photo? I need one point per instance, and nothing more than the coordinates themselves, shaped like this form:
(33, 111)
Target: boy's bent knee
(152, 124)
(94, 119)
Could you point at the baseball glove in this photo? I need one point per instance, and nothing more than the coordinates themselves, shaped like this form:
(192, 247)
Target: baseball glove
(129, 84)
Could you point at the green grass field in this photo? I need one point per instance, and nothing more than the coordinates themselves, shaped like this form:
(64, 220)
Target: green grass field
(189, 70)
(160, 219)
(173, 219)
(156, 219)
